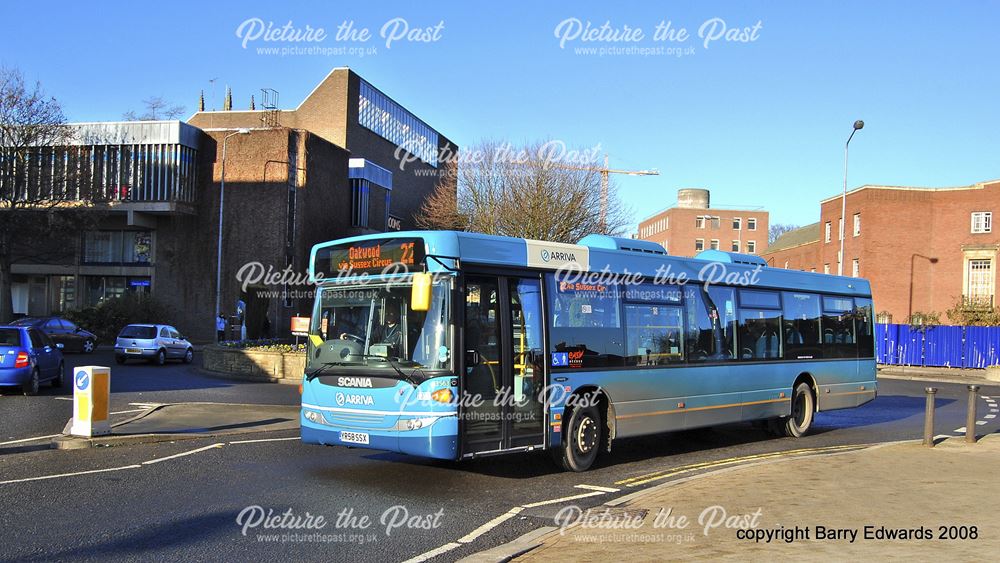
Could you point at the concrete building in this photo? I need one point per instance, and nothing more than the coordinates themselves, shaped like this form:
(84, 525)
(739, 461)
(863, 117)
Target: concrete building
(692, 225)
(348, 160)
(924, 249)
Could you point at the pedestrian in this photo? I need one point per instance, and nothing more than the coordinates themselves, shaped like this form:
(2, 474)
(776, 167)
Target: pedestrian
(267, 327)
(220, 328)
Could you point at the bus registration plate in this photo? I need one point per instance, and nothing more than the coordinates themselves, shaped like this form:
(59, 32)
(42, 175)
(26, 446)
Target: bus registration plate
(354, 437)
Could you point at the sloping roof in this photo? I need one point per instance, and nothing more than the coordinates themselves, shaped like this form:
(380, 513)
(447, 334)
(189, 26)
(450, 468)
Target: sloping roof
(800, 236)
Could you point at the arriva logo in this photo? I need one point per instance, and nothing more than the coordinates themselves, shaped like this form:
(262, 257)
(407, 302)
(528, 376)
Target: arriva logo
(364, 400)
(558, 255)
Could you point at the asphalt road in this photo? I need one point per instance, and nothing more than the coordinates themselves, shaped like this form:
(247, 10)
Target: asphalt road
(136, 504)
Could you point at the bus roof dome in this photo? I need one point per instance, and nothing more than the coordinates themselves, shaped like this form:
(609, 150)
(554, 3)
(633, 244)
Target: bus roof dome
(619, 243)
(730, 258)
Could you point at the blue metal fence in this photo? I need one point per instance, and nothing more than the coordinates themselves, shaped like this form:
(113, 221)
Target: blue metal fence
(939, 346)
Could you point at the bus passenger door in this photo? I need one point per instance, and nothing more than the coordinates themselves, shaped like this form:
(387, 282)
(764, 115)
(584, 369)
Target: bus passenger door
(527, 357)
(504, 367)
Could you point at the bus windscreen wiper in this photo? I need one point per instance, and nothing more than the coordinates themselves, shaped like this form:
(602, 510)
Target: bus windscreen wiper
(392, 363)
(319, 371)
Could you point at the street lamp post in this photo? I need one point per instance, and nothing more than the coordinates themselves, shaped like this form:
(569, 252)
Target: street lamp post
(913, 257)
(843, 203)
(222, 194)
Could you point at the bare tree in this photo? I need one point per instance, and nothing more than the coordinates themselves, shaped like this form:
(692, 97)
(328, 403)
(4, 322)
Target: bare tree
(156, 108)
(40, 197)
(778, 229)
(519, 192)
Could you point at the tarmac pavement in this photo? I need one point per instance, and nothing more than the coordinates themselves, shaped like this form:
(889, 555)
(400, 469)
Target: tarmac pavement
(165, 423)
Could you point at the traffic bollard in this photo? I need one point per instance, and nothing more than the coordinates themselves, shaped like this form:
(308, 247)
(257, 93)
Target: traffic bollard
(970, 417)
(929, 417)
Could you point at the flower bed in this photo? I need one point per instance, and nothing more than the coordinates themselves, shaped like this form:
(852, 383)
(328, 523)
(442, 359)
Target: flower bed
(257, 360)
(263, 345)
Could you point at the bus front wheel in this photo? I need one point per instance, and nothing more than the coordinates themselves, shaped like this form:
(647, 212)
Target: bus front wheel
(581, 439)
(803, 409)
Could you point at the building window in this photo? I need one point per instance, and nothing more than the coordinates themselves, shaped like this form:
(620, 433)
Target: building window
(751, 224)
(840, 228)
(65, 293)
(699, 222)
(826, 268)
(751, 247)
(117, 247)
(699, 244)
(736, 246)
(714, 244)
(855, 268)
(813, 270)
(982, 222)
(826, 231)
(980, 276)
(737, 223)
(389, 120)
(857, 224)
(716, 223)
(96, 289)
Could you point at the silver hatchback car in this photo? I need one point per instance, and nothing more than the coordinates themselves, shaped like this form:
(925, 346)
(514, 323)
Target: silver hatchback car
(154, 343)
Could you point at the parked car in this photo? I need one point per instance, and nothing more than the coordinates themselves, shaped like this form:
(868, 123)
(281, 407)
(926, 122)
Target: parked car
(28, 357)
(155, 343)
(62, 331)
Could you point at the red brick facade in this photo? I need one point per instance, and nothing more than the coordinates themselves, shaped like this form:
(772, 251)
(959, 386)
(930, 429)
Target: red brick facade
(680, 228)
(916, 245)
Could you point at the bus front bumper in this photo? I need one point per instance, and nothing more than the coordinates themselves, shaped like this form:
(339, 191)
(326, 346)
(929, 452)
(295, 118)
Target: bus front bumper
(439, 440)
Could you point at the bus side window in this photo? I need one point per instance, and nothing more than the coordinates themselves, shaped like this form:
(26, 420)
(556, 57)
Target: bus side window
(866, 332)
(801, 331)
(711, 323)
(700, 337)
(838, 327)
(724, 299)
(586, 329)
(654, 335)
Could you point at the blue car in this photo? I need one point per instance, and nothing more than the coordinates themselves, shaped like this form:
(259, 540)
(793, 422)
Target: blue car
(28, 358)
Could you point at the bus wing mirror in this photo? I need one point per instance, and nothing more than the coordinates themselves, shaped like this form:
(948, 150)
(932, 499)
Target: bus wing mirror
(420, 292)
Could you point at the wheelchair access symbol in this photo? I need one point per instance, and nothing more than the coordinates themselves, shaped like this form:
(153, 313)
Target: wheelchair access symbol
(82, 380)
(560, 359)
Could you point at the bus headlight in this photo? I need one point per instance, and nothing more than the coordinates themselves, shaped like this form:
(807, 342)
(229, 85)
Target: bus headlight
(415, 423)
(314, 417)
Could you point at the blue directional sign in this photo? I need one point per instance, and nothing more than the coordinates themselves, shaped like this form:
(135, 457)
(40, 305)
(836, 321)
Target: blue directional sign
(82, 380)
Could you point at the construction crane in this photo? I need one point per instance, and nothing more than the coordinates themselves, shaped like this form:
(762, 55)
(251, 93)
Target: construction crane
(605, 172)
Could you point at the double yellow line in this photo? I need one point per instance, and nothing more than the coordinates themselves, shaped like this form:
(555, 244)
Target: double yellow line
(666, 474)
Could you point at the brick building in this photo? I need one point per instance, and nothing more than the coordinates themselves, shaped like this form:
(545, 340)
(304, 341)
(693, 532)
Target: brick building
(348, 160)
(692, 225)
(924, 249)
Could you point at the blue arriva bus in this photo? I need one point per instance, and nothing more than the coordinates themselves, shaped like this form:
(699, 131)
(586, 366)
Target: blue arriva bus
(456, 345)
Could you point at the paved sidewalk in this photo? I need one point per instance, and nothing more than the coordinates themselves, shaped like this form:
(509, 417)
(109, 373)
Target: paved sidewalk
(949, 375)
(900, 486)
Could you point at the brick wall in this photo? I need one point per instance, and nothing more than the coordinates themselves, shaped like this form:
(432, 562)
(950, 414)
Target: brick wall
(913, 244)
(681, 232)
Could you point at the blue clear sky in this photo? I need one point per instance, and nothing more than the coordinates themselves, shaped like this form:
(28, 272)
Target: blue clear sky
(761, 123)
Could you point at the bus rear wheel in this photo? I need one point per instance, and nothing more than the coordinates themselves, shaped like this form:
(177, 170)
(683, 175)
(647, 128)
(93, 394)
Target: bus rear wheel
(581, 439)
(803, 409)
